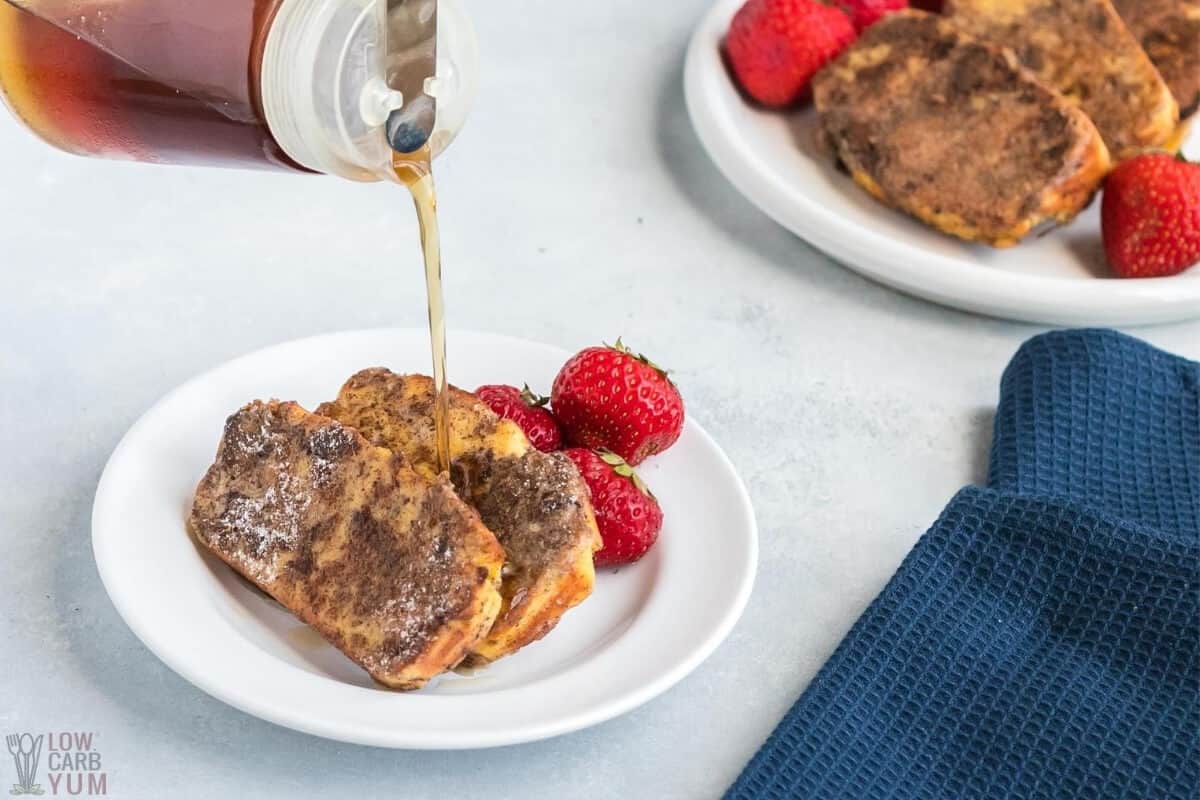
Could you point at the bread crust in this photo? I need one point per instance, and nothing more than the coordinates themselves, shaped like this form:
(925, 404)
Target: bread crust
(1169, 32)
(955, 132)
(536, 503)
(1082, 49)
(391, 568)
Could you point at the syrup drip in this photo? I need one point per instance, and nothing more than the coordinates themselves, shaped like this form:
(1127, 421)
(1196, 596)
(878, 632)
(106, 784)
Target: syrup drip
(416, 172)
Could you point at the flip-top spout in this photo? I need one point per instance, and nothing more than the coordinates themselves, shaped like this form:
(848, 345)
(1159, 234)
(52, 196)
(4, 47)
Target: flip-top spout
(412, 70)
(346, 83)
(433, 60)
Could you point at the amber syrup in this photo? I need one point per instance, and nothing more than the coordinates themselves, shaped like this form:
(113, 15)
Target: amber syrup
(83, 100)
(416, 172)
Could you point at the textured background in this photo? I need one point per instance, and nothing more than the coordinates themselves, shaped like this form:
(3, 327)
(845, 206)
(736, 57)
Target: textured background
(576, 205)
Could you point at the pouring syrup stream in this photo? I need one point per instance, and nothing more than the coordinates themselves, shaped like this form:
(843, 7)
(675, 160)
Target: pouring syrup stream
(416, 172)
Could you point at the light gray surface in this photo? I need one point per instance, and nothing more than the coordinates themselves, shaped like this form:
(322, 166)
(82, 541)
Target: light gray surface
(576, 206)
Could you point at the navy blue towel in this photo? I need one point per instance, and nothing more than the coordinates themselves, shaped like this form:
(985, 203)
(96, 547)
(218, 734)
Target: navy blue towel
(1042, 640)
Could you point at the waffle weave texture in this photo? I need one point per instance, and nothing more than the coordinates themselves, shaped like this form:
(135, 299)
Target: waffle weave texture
(1042, 640)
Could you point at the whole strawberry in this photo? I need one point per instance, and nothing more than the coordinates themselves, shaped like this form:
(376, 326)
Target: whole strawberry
(1150, 216)
(774, 47)
(865, 13)
(609, 397)
(526, 409)
(628, 516)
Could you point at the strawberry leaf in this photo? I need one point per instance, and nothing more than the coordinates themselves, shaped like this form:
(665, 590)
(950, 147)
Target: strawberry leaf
(611, 458)
(533, 399)
(622, 468)
(621, 347)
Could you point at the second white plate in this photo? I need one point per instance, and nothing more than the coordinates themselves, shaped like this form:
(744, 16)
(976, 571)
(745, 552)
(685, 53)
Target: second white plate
(644, 628)
(772, 159)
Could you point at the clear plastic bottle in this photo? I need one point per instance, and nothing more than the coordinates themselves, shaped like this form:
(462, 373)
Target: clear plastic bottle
(289, 84)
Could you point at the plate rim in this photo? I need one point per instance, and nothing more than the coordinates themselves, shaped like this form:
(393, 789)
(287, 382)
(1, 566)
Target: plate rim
(945, 280)
(289, 716)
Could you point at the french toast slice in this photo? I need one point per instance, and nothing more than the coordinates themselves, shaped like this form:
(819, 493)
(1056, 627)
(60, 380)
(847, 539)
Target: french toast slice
(1169, 32)
(1082, 49)
(392, 569)
(953, 131)
(536, 503)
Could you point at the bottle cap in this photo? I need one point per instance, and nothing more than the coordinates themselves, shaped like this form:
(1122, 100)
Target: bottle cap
(329, 81)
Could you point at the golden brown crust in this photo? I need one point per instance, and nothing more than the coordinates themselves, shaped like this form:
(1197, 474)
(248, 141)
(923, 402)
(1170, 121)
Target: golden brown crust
(536, 503)
(1169, 32)
(540, 507)
(393, 570)
(953, 131)
(1082, 49)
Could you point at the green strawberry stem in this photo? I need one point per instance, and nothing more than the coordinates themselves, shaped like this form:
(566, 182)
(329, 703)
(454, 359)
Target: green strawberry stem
(532, 398)
(620, 347)
(622, 468)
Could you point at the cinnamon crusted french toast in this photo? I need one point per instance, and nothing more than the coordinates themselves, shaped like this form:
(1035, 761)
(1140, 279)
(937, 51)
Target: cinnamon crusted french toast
(1082, 49)
(390, 567)
(1169, 32)
(952, 130)
(536, 503)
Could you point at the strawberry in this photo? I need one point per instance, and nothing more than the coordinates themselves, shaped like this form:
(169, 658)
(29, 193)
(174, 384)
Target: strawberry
(627, 514)
(609, 397)
(1150, 216)
(526, 409)
(774, 47)
(865, 13)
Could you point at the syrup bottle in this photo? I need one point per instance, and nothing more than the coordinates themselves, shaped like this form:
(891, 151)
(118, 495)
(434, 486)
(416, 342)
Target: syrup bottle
(315, 85)
(365, 89)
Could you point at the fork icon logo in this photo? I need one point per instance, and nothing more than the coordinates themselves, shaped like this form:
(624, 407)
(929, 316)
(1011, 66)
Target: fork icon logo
(26, 751)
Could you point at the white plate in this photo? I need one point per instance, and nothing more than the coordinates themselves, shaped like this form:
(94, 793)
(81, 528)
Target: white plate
(772, 159)
(644, 628)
